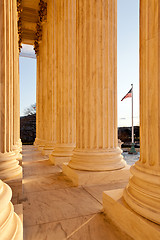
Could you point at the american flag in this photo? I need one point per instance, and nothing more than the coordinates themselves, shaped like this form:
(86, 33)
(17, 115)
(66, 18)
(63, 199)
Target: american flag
(129, 94)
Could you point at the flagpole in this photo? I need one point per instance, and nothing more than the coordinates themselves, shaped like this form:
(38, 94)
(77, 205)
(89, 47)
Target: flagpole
(132, 117)
(132, 150)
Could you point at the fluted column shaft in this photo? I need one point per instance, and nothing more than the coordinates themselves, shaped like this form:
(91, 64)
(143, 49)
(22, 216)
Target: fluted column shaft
(143, 191)
(8, 164)
(50, 89)
(40, 101)
(19, 142)
(44, 83)
(96, 136)
(37, 102)
(15, 75)
(11, 86)
(17, 147)
(65, 27)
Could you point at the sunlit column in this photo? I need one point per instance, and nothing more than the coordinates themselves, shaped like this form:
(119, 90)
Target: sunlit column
(143, 191)
(96, 136)
(9, 167)
(17, 147)
(44, 85)
(36, 142)
(40, 101)
(50, 88)
(64, 50)
(11, 74)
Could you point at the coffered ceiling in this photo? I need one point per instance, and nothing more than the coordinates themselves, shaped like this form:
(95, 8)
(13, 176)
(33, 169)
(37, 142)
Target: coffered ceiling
(29, 20)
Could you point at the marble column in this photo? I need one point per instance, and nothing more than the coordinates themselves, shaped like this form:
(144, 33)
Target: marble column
(40, 101)
(44, 73)
(9, 167)
(143, 191)
(17, 147)
(36, 142)
(64, 50)
(50, 88)
(96, 137)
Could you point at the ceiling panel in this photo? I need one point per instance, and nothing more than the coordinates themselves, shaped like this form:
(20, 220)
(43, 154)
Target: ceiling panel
(30, 3)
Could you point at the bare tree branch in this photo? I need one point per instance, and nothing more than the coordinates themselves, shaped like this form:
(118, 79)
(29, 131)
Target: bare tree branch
(30, 110)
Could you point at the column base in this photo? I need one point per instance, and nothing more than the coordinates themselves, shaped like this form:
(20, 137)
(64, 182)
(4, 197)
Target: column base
(96, 178)
(40, 147)
(10, 223)
(143, 192)
(17, 147)
(39, 144)
(97, 160)
(62, 153)
(46, 152)
(36, 142)
(125, 219)
(9, 166)
(20, 144)
(19, 157)
(59, 160)
(48, 149)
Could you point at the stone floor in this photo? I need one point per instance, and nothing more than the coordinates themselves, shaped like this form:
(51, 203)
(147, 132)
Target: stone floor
(54, 209)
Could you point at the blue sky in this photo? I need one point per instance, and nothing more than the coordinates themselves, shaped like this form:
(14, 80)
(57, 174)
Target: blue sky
(127, 64)
(27, 68)
(127, 59)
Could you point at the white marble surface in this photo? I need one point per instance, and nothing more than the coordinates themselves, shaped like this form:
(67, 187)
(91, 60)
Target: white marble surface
(38, 168)
(55, 205)
(97, 228)
(54, 209)
(92, 227)
(35, 164)
(47, 182)
(55, 230)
